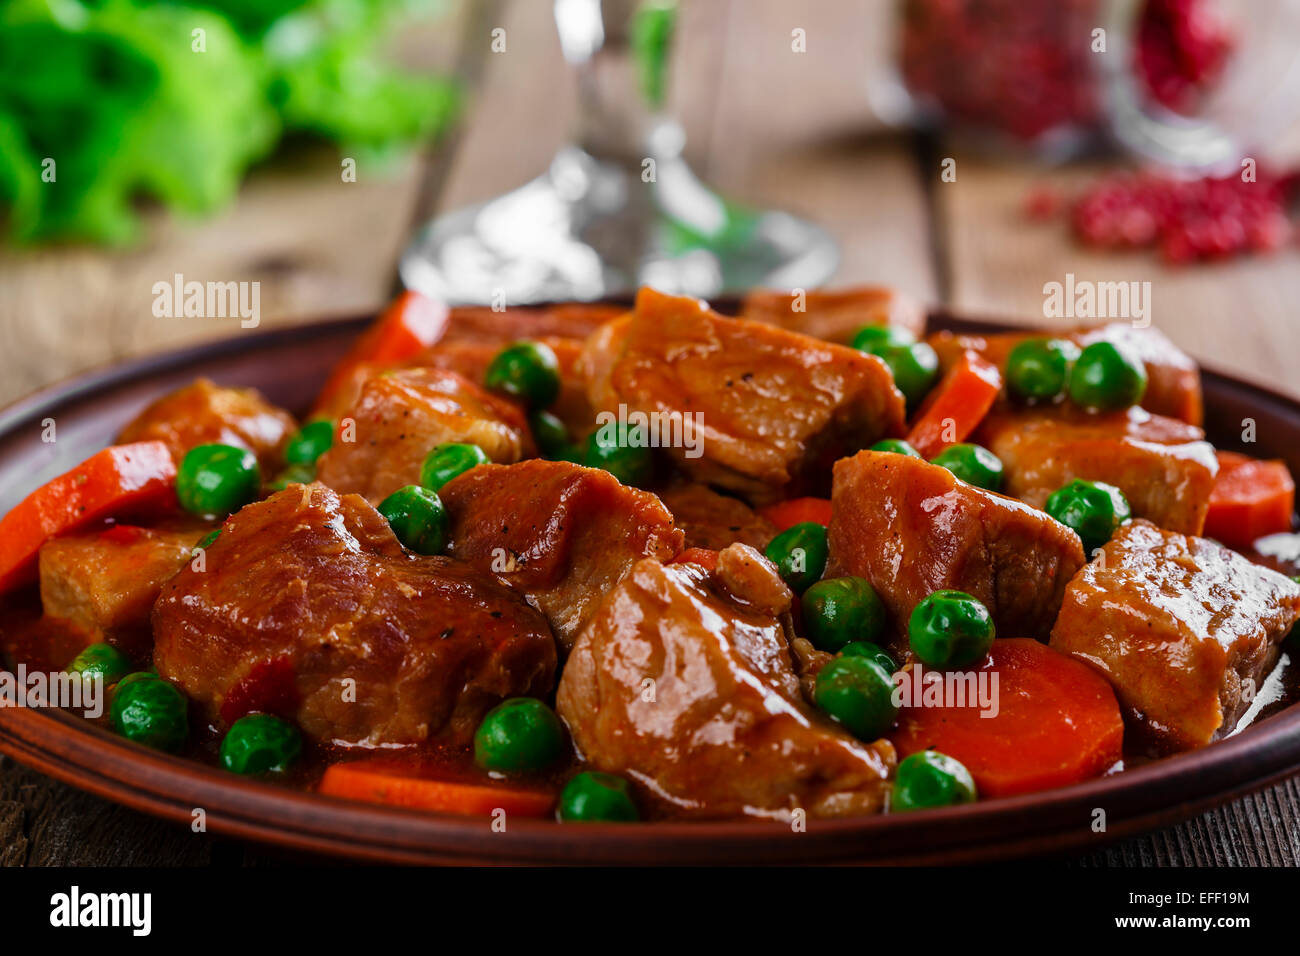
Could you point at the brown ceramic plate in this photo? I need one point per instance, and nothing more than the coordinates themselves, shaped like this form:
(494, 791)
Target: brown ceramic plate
(288, 366)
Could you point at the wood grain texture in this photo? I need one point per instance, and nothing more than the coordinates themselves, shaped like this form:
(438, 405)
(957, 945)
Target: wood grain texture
(765, 125)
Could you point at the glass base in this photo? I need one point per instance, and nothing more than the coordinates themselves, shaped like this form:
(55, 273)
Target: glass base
(590, 229)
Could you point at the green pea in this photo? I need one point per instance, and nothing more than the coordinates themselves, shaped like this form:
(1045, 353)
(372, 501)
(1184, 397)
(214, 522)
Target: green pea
(1107, 377)
(526, 371)
(216, 480)
(799, 553)
(1093, 509)
(1039, 369)
(915, 369)
(950, 629)
(104, 660)
(973, 464)
(592, 796)
(897, 446)
(858, 693)
(872, 652)
(874, 338)
(930, 779)
(418, 518)
(521, 733)
(449, 460)
(837, 611)
(552, 436)
(623, 452)
(312, 441)
(260, 743)
(150, 711)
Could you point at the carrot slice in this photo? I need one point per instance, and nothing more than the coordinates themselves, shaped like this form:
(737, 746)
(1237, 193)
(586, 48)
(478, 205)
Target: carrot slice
(410, 324)
(703, 557)
(956, 406)
(1057, 721)
(357, 781)
(1251, 498)
(123, 478)
(787, 514)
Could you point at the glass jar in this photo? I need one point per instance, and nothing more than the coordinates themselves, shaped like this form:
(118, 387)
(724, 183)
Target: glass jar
(1189, 83)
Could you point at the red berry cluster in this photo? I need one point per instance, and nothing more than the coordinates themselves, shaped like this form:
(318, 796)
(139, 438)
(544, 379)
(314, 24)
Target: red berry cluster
(1026, 69)
(1182, 46)
(1187, 219)
(1021, 68)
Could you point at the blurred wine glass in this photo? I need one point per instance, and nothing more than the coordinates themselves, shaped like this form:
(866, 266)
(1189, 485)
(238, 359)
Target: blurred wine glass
(619, 206)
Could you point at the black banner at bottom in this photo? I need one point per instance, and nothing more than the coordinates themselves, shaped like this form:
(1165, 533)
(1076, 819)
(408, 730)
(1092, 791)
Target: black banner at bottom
(132, 906)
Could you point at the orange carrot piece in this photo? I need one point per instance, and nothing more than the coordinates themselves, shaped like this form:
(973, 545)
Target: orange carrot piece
(1057, 722)
(1250, 499)
(787, 514)
(357, 781)
(410, 324)
(123, 478)
(954, 409)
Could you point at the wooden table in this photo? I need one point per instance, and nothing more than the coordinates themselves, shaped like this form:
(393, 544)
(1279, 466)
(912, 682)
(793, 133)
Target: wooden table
(766, 125)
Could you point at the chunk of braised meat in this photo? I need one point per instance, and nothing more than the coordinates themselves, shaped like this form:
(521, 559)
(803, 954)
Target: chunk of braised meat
(835, 314)
(1173, 378)
(383, 647)
(712, 520)
(105, 582)
(560, 534)
(683, 681)
(1163, 466)
(472, 359)
(401, 415)
(911, 528)
(203, 413)
(483, 325)
(761, 411)
(1184, 629)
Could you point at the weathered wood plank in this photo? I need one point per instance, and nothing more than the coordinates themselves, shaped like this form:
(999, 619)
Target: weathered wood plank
(49, 824)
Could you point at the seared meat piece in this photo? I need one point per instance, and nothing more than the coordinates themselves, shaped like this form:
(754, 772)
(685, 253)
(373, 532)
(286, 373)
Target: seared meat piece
(472, 359)
(384, 647)
(401, 415)
(1173, 379)
(769, 410)
(560, 534)
(203, 413)
(1184, 629)
(912, 528)
(713, 521)
(835, 314)
(683, 681)
(1163, 466)
(482, 325)
(106, 582)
